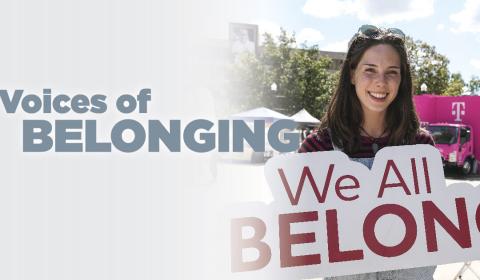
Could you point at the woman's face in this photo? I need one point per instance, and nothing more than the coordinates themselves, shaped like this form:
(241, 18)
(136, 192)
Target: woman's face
(377, 78)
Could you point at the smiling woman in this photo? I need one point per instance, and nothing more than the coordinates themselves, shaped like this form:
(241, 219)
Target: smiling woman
(372, 108)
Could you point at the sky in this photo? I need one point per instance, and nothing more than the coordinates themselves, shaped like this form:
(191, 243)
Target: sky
(453, 27)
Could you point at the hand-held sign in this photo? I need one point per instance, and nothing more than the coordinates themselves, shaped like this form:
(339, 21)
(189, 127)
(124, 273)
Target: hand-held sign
(332, 216)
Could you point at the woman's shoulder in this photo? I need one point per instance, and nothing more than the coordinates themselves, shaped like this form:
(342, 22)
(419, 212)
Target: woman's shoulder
(424, 137)
(317, 141)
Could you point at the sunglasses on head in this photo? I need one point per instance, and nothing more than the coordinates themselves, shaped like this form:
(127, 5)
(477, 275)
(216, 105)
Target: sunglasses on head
(374, 32)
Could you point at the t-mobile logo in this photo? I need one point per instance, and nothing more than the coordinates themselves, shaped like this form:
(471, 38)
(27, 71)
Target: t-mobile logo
(458, 109)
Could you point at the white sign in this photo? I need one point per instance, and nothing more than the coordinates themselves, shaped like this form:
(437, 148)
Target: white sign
(332, 216)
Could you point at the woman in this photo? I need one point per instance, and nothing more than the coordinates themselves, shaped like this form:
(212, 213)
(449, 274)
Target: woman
(372, 108)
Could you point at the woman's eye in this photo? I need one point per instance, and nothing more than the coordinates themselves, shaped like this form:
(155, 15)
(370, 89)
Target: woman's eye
(393, 73)
(370, 70)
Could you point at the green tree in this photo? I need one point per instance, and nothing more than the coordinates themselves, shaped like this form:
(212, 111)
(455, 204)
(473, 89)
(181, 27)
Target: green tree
(474, 84)
(455, 85)
(303, 78)
(428, 66)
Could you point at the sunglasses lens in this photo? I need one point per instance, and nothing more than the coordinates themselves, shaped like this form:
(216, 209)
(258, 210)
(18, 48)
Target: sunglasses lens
(369, 30)
(397, 32)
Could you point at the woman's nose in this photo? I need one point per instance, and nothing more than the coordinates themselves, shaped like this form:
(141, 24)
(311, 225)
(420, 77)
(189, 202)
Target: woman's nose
(381, 80)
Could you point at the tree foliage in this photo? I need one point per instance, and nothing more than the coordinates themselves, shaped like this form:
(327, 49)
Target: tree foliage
(455, 85)
(474, 84)
(302, 77)
(428, 66)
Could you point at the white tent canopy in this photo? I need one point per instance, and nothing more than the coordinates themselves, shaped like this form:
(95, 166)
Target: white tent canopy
(304, 117)
(260, 113)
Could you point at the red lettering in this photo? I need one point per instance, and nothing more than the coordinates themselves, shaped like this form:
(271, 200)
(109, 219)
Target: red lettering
(384, 185)
(369, 230)
(287, 239)
(306, 173)
(339, 187)
(477, 217)
(425, 172)
(415, 177)
(432, 213)
(238, 244)
(334, 253)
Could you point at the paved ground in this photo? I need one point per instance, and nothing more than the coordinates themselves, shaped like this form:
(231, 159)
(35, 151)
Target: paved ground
(242, 181)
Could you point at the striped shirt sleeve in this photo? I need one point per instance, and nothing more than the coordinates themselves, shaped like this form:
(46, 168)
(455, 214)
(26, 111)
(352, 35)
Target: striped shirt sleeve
(316, 142)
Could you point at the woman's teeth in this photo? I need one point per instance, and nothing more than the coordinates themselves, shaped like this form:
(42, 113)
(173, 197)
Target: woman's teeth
(378, 95)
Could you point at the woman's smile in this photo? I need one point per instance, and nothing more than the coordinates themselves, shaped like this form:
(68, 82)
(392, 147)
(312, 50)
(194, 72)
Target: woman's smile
(377, 96)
